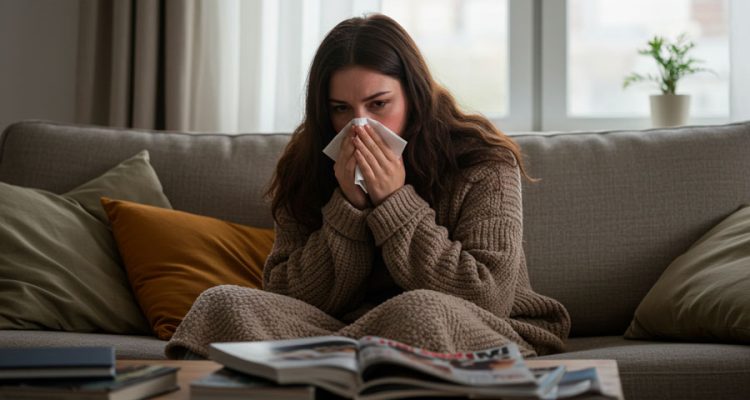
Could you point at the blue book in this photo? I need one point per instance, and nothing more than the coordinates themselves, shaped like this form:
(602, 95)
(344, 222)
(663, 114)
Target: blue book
(57, 362)
(130, 383)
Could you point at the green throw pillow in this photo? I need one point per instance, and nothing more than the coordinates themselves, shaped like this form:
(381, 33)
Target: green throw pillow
(704, 295)
(59, 266)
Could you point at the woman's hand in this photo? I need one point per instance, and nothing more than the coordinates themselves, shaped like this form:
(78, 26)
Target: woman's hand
(383, 170)
(344, 169)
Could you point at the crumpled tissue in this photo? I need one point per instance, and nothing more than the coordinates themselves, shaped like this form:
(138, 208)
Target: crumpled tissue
(392, 140)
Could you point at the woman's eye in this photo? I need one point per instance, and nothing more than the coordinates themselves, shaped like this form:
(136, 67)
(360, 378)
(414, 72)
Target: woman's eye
(337, 108)
(379, 104)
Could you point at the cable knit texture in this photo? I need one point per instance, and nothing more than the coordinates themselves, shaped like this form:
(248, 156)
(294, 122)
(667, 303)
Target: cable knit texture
(448, 278)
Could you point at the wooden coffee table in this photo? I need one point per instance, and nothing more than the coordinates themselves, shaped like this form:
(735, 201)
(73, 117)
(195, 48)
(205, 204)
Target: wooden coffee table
(192, 370)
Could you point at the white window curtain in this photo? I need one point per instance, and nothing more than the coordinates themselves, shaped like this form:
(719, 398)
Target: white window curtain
(245, 63)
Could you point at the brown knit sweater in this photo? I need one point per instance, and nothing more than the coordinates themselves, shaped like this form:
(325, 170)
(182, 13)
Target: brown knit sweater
(447, 278)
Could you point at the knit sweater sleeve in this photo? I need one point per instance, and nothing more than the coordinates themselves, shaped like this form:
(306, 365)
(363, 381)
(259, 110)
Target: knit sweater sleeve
(480, 260)
(326, 268)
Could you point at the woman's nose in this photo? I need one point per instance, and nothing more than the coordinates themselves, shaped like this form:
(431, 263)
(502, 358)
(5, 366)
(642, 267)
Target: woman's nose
(361, 112)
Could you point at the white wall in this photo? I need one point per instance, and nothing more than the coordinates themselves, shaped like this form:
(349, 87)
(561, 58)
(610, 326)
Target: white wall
(38, 46)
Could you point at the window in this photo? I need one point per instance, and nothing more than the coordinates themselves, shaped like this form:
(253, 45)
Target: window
(541, 65)
(603, 36)
(588, 47)
(561, 66)
(465, 43)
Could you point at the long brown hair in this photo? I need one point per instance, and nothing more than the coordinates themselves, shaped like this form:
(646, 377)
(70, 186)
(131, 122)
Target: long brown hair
(442, 139)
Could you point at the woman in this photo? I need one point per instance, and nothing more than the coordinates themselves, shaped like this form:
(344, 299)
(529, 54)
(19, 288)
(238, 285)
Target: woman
(431, 255)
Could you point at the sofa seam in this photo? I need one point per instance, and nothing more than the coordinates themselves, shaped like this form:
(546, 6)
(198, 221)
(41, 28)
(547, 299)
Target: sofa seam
(670, 373)
(615, 131)
(3, 138)
(2, 146)
(520, 135)
(151, 131)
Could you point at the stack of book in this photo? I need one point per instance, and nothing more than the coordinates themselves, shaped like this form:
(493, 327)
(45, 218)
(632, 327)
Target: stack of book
(78, 373)
(374, 368)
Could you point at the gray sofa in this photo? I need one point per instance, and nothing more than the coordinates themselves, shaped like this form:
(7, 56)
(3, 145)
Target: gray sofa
(611, 211)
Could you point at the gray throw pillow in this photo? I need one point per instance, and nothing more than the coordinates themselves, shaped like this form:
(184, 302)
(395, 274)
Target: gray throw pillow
(704, 295)
(59, 265)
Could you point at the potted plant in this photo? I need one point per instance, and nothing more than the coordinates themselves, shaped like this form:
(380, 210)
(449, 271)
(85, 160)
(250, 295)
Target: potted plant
(668, 108)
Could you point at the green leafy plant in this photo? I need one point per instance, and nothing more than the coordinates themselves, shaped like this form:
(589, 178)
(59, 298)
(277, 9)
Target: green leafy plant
(672, 60)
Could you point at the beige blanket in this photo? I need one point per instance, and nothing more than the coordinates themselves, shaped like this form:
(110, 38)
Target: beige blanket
(449, 277)
(423, 318)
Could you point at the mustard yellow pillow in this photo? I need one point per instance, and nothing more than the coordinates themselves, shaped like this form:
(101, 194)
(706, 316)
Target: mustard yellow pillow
(704, 295)
(172, 256)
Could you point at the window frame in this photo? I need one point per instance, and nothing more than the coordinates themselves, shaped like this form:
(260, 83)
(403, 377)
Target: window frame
(554, 80)
(521, 68)
(739, 60)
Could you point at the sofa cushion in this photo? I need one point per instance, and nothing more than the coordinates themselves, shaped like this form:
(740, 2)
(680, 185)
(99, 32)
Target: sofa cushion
(660, 370)
(59, 267)
(172, 256)
(705, 293)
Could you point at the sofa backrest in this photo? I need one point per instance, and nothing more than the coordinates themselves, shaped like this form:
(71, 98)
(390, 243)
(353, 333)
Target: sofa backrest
(610, 212)
(223, 176)
(613, 209)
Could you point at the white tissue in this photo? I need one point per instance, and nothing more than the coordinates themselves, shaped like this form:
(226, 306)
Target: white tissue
(392, 140)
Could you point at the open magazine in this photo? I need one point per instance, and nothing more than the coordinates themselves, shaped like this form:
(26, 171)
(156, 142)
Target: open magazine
(373, 368)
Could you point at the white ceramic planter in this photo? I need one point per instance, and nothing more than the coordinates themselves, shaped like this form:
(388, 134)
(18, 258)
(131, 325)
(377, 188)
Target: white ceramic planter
(669, 109)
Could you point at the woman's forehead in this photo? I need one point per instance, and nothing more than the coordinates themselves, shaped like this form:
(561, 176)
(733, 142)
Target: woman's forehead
(356, 81)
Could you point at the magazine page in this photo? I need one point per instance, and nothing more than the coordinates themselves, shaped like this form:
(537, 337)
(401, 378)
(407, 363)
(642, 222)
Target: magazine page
(398, 387)
(321, 351)
(497, 366)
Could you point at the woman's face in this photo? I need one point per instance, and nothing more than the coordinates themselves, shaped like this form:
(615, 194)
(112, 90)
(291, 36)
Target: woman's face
(358, 92)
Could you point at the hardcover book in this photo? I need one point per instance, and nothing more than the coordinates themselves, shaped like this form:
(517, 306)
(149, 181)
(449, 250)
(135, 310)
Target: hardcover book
(129, 383)
(57, 362)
